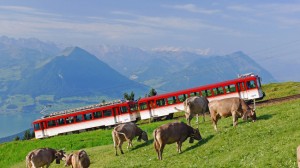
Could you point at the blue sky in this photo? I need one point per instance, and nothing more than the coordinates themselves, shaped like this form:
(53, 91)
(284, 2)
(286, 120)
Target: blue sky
(262, 29)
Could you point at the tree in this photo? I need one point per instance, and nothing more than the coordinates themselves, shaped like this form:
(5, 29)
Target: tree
(17, 138)
(129, 97)
(152, 92)
(27, 135)
(32, 134)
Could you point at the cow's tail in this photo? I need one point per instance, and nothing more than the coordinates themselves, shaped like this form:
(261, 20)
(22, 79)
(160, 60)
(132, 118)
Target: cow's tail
(123, 134)
(114, 137)
(178, 109)
(28, 160)
(155, 143)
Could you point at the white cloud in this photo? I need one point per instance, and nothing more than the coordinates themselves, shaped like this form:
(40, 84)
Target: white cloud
(194, 9)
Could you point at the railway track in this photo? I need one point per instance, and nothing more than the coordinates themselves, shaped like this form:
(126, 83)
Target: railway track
(276, 100)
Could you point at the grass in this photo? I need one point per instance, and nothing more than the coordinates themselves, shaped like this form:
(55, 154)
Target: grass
(276, 90)
(269, 142)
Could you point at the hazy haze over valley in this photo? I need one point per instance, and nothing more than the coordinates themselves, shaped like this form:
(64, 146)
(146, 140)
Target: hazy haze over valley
(162, 44)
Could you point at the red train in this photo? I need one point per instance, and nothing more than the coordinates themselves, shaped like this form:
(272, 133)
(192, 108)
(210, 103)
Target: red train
(246, 86)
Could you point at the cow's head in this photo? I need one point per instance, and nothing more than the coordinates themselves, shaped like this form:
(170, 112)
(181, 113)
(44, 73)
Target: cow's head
(250, 113)
(253, 114)
(59, 155)
(68, 160)
(195, 135)
(143, 136)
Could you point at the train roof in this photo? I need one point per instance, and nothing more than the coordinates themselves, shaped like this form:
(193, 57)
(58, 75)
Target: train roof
(84, 108)
(240, 78)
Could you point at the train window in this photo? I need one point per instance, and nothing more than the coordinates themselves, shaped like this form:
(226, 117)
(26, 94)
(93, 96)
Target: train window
(87, 116)
(230, 88)
(97, 114)
(133, 107)
(60, 121)
(79, 118)
(182, 97)
(107, 113)
(172, 100)
(251, 84)
(69, 120)
(51, 123)
(194, 94)
(218, 91)
(206, 93)
(160, 102)
(143, 106)
(36, 126)
(123, 109)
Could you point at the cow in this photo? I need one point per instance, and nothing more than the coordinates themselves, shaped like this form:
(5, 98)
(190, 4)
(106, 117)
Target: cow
(235, 107)
(79, 159)
(43, 157)
(173, 132)
(298, 156)
(194, 106)
(126, 132)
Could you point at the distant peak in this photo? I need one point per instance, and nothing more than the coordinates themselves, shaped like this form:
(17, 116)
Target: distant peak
(69, 50)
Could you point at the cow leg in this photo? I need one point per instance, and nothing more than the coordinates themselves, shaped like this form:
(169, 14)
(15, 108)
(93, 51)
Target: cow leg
(214, 121)
(234, 118)
(156, 147)
(120, 147)
(203, 114)
(161, 149)
(179, 144)
(197, 118)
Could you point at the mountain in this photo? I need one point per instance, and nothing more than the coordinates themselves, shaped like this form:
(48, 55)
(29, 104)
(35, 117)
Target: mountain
(76, 72)
(180, 69)
(12, 137)
(20, 56)
(206, 70)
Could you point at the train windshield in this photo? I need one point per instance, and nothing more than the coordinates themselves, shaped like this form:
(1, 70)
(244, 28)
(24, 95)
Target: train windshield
(258, 82)
(37, 126)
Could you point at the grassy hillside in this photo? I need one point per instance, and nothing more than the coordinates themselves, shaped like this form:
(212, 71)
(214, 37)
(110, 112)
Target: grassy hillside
(275, 90)
(269, 142)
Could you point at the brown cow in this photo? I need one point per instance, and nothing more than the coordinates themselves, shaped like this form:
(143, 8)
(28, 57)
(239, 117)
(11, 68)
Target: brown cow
(43, 157)
(298, 156)
(126, 132)
(194, 106)
(173, 132)
(234, 107)
(79, 159)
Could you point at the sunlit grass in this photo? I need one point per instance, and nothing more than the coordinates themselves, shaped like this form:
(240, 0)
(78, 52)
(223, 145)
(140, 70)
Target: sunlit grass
(269, 142)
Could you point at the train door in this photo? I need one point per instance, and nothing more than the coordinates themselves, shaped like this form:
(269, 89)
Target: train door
(116, 114)
(242, 90)
(152, 108)
(44, 131)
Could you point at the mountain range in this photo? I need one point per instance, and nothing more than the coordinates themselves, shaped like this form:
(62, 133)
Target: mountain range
(76, 73)
(34, 74)
(175, 70)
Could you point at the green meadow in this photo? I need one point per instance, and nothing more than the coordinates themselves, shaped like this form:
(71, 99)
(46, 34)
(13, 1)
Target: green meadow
(271, 141)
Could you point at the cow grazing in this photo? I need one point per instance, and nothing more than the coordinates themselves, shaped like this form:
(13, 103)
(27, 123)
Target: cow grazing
(79, 159)
(195, 106)
(43, 157)
(234, 107)
(298, 156)
(173, 132)
(126, 132)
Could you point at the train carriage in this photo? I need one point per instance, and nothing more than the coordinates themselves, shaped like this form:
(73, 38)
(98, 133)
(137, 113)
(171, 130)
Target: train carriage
(247, 87)
(96, 116)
